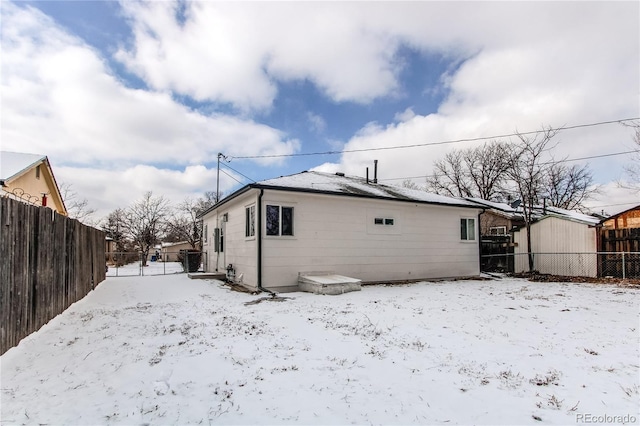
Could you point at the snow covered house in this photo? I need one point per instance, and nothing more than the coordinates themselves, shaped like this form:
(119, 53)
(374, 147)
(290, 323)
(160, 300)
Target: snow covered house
(269, 233)
(563, 242)
(29, 178)
(498, 219)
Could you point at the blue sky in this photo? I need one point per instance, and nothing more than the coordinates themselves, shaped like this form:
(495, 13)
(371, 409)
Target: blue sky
(126, 97)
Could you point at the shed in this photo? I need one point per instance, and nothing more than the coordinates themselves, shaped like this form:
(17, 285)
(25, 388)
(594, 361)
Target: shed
(562, 242)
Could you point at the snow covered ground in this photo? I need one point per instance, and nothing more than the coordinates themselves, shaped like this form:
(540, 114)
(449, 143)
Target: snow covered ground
(170, 350)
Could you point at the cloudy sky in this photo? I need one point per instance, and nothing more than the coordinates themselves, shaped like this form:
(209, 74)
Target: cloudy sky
(127, 97)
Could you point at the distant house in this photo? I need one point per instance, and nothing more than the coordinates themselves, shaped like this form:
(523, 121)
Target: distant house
(170, 252)
(498, 218)
(268, 233)
(29, 178)
(563, 243)
(624, 220)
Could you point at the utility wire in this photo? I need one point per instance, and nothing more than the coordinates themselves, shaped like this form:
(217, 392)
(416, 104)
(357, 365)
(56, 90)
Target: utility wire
(549, 162)
(232, 177)
(247, 177)
(535, 132)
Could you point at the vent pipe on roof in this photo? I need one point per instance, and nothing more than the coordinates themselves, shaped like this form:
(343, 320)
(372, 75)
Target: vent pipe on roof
(375, 171)
(367, 175)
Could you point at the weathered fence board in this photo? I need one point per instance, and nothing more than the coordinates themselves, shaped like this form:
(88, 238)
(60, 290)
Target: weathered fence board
(47, 262)
(620, 241)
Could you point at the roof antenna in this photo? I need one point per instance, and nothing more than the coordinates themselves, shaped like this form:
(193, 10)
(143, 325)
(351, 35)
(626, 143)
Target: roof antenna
(375, 171)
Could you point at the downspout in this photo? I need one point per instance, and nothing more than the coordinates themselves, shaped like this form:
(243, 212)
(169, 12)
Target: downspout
(480, 241)
(259, 241)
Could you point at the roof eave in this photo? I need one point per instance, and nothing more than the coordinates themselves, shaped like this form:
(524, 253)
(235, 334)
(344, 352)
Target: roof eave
(368, 196)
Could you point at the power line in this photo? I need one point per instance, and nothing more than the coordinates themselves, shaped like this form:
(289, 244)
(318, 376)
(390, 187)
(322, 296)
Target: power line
(551, 162)
(232, 177)
(247, 177)
(535, 132)
(613, 205)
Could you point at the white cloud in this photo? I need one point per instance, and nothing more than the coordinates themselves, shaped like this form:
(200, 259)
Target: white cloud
(525, 73)
(522, 65)
(60, 99)
(109, 189)
(405, 115)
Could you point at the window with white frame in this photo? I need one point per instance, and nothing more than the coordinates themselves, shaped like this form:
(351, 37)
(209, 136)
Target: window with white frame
(279, 220)
(467, 229)
(498, 230)
(205, 232)
(250, 221)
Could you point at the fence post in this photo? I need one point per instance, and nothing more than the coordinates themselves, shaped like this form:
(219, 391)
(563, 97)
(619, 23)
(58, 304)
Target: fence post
(624, 275)
(141, 264)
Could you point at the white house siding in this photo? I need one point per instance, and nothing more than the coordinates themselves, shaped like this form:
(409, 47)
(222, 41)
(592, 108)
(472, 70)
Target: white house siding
(337, 234)
(550, 236)
(238, 250)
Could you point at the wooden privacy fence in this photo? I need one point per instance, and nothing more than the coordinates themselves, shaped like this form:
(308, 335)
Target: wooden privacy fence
(47, 262)
(624, 241)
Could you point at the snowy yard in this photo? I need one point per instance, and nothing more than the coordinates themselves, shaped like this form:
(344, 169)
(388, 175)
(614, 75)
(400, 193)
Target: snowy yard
(170, 350)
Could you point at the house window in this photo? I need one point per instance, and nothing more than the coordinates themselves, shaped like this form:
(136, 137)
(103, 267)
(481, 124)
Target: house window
(498, 230)
(250, 221)
(279, 220)
(218, 235)
(205, 231)
(467, 229)
(38, 172)
(383, 221)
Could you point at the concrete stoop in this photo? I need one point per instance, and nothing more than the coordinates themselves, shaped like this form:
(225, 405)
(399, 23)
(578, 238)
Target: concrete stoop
(222, 276)
(327, 283)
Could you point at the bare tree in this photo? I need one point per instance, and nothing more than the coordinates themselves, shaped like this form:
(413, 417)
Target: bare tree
(143, 222)
(474, 172)
(449, 176)
(77, 208)
(568, 187)
(183, 224)
(409, 184)
(114, 229)
(528, 170)
(487, 166)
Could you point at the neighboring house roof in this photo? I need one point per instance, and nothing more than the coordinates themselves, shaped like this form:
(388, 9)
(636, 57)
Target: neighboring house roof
(14, 164)
(165, 245)
(621, 213)
(339, 184)
(503, 207)
(539, 212)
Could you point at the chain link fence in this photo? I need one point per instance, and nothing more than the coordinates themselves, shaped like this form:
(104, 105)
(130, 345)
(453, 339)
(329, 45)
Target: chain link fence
(625, 265)
(127, 264)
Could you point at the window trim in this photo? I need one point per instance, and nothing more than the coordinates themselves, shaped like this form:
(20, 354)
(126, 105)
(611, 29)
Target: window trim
(250, 221)
(281, 221)
(498, 228)
(465, 238)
